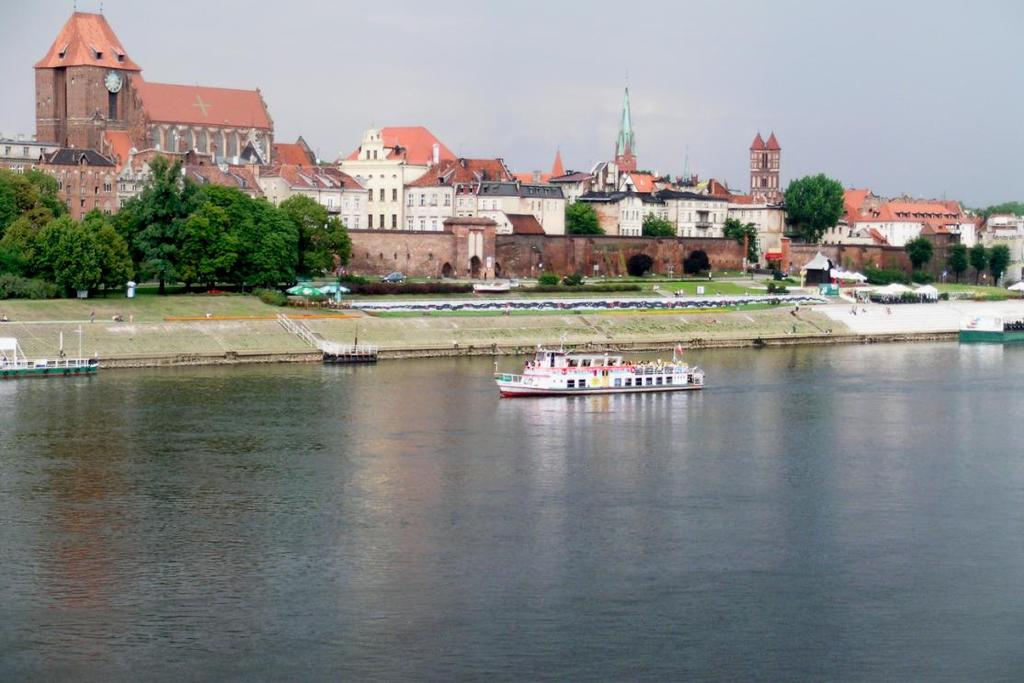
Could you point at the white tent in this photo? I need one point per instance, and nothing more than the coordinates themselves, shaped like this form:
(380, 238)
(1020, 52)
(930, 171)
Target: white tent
(894, 289)
(927, 291)
(848, 275)
(1019, 287)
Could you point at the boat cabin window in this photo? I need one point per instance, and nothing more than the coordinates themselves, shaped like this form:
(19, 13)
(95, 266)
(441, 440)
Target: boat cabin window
(618, 382)
(585, 362)
(629, 382)
(583, 383)
(571, 384)
(668, 380)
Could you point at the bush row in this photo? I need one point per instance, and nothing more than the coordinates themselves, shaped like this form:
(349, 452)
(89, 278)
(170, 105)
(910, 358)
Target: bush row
(17, 287)
(598, 287)
(378, 288)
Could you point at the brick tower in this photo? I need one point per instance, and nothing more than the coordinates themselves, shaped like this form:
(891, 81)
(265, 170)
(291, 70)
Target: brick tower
(625, 145)
(83, 84)
(764, 170)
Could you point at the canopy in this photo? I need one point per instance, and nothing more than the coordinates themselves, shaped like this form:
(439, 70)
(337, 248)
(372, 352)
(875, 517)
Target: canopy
(1019, 287)
(848, 276)
(304, 289)
(334, 288)
(894, 289)
(819, 262)
(927, 291)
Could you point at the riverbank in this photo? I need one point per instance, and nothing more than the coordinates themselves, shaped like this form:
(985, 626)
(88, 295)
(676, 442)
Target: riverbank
(242, 330)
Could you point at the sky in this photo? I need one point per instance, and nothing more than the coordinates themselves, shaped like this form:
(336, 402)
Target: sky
(924, 98)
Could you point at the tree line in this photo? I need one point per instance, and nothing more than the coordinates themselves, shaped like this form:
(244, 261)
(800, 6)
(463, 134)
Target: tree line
(174, 231)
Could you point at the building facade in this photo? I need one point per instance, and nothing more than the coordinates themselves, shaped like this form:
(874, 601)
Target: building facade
(448, 189)
(20, 154)
(86, 180)
(338, 192)
(386, 161)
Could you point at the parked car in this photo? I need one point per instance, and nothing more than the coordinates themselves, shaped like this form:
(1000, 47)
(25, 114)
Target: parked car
(395, 277)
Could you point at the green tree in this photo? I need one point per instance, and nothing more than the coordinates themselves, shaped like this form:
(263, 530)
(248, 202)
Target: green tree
(998, 261)
(22, 239)
(1016, 208)
(813, 205)
(153, 220)
(72, 254)
(321, 239)
(738, 231)
(919, 251)
(581, 219)
(115, 260)
(979, 259)
(46, 188)
(957, 260)
(207, 251)
(657, 227)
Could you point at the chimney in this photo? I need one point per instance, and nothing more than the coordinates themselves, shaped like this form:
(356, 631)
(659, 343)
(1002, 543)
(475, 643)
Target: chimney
(435, 153)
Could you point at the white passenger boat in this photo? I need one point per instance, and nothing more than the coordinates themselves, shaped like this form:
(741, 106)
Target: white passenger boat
(559, 373)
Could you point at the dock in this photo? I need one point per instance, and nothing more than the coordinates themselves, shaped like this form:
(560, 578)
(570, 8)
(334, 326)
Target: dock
(331, 352)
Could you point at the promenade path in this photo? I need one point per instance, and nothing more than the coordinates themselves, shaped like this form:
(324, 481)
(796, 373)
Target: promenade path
(943, 316)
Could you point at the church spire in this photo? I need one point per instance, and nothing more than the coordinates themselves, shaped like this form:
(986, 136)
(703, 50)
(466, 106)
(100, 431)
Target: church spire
(625, 145)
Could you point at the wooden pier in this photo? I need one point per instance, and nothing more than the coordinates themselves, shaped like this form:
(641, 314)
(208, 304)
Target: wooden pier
(333, 352)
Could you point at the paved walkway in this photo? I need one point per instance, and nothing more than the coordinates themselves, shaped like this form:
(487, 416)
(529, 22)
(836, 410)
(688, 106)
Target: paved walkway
(944, 316)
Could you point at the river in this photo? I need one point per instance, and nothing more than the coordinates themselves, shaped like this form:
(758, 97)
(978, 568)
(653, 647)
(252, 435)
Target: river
(851, 512)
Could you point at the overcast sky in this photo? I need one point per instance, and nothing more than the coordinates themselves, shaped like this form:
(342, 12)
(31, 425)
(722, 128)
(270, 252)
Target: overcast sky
(919, 97)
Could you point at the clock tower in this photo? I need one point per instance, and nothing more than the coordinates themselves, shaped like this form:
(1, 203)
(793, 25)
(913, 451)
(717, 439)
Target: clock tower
(84, 85)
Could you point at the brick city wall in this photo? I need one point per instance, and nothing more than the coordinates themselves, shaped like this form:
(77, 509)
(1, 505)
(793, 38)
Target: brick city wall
(529, 255)
(417, 254)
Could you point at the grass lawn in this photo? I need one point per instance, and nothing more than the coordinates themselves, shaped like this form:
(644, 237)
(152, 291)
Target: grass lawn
(711, 287)
(965, 287)
(143, 308)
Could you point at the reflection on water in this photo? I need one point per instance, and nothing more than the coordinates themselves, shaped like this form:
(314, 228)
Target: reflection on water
(813, 513)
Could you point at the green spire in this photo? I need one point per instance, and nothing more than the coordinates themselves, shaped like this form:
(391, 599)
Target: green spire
(625, 144)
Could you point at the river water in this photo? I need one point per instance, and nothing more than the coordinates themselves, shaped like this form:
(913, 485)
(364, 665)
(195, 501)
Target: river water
(816, 513)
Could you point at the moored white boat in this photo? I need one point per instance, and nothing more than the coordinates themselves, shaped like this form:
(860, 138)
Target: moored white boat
(559, 373)
(13, 363)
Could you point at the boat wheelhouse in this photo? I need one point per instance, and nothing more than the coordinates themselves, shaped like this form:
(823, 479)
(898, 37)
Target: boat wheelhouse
(559, 373)
(14, 364)
(993, 328)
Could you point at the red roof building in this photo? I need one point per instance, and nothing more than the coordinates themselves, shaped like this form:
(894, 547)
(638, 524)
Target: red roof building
(413, 144)
(88, 86)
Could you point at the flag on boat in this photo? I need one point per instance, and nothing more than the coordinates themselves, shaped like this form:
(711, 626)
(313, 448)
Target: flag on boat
(678, 351)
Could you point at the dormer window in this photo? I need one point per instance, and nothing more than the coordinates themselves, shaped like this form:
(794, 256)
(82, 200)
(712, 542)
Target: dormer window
(96, 54)
(63, 52)
(119, 55)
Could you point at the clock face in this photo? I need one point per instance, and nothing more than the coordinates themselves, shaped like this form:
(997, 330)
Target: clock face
(113, 81)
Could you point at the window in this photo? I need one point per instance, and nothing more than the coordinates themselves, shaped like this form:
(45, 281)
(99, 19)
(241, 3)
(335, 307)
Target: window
(382, 219)
(394, 195)
(447, 200)
(570, 383)
(369, 196)
(24, 151)
(112, 106)
(423, 224)
(394, 220)
(369, 221)
(659, 380)
(409, 200)
(650, 381)
(583, 383)
(106, 187)
(433, 199)
(408, 222)
(423, 199)
(668, 380)
(382, 196)
(618, 381)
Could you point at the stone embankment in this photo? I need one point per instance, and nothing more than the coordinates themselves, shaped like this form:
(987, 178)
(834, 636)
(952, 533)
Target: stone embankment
(229, 342)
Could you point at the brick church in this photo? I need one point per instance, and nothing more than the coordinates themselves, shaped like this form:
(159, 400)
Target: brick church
(90, 94)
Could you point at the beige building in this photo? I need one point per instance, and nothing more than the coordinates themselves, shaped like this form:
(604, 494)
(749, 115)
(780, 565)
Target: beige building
(20, 154)
(770, 220)
(387, 160)
(338, 192)
(1009, 230)
(499, 200)
(448, 189)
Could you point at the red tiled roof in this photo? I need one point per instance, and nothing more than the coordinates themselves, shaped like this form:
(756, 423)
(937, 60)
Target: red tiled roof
(456, 171)
(772, 143)
(416, 142)
(717, 189)
(853, 202)
(878, 237)
(643, 182)
(238, 177)
(313, 177)
(87, 40)
(525, 224)
(757, 144)
(740, 199)
(118, 146)
(199, 105)
(292, 153)
(557, 169)
(532, 177)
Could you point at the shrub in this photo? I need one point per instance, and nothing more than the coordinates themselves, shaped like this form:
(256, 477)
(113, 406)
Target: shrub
(774, 288)
(573, 280)
(17, 287)
(547, 279)
(944, 296)
(638, 264)
(600, 287)
(271, 297)
(353, 280)
(922, 277)
(885, 276)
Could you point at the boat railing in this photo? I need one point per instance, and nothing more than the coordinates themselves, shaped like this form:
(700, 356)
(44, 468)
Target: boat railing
(59, 363)
(508, 377)
(336, 349)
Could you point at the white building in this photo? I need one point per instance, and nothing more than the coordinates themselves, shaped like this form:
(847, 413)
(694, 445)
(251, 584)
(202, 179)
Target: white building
(338, 192)
(387, 160)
